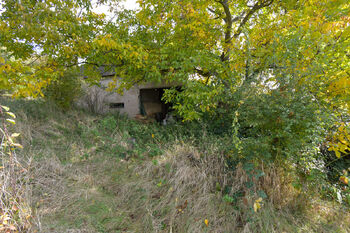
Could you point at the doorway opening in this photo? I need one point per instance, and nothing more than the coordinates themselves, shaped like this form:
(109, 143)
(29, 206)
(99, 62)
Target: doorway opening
(152, 105)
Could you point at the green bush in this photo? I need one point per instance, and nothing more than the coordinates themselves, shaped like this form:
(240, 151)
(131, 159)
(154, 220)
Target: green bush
(65, 90)
(279, 125)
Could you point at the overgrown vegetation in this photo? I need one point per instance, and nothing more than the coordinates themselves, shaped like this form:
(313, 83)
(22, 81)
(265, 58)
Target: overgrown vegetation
(265, 139)
(16, 214)
(107, 173)
(65, 90)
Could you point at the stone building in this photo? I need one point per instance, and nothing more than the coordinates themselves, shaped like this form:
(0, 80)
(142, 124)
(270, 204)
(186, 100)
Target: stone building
(140, 100)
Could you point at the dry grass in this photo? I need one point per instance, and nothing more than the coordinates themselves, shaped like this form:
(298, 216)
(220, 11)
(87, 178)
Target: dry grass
(15, 195)
(15, 191)
(187, 195)
(77, 187)
(179, 192)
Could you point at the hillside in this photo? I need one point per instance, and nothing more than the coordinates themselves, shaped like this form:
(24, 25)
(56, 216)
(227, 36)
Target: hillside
(107, 173)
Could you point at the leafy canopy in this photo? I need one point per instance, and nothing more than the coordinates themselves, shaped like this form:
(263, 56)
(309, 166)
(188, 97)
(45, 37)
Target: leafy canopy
(220, 51)
(40, 39)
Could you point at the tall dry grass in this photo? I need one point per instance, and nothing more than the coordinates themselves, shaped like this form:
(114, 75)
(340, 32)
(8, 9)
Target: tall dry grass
(16, 214)
(184, 188)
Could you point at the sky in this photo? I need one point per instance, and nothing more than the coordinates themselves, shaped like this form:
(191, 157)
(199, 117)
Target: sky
(128, 4)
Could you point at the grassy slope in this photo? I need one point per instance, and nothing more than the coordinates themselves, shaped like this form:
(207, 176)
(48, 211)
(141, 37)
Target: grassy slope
(110, 174)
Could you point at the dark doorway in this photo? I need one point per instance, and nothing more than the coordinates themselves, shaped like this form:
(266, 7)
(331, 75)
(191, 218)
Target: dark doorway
(151, 103)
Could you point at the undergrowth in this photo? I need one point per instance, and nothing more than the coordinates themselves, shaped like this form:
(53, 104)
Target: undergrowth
(15, 199)
(108, 173)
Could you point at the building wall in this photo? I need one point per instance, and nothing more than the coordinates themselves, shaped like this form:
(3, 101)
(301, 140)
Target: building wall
(130, 98)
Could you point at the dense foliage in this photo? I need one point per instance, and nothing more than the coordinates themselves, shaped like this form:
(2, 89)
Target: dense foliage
(65, 90)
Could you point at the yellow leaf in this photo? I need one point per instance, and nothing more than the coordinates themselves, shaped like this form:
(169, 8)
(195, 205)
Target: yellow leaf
(11, 114)
(206, 222)
(337, 153)
(152, 135)
(11, 121)
(7, 68)
(344, 179)
(5, 107)
(257, 204)
(342, 140)
(17, 145)
(14, 135)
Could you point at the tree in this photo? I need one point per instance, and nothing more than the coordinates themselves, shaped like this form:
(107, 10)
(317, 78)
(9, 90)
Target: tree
(225, 45)
(223, 52)
(39, 40)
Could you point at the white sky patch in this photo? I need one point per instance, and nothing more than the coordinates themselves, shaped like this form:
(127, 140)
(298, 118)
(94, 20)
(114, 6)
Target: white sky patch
(131, 4)
(128, 4)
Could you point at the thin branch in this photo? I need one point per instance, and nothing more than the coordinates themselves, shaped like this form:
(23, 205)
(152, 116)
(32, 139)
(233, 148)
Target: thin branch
(256, 7)
(229, 20)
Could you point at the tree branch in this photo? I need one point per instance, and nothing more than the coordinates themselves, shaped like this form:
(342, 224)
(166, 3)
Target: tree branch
(229, 20)
(202, 73)
(255, 8)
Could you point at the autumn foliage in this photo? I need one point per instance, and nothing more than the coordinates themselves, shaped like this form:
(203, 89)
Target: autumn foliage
(273, 76)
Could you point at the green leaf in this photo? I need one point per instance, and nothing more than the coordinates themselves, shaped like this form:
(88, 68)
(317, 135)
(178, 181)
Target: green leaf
(262, 194)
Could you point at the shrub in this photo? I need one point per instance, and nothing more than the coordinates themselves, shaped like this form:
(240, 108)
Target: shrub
(94, 99)
(65, 90)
